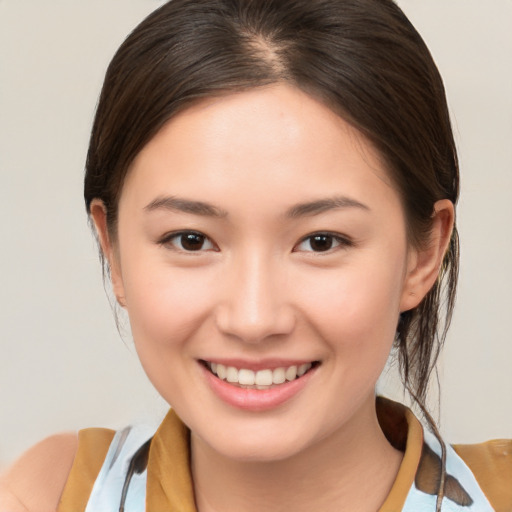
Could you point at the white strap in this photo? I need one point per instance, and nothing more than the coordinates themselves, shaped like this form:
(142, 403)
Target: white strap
(107, 490)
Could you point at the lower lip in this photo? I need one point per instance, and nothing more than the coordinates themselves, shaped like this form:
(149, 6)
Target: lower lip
(256, 399)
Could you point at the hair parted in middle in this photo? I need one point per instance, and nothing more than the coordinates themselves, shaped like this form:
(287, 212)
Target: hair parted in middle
(361, 58)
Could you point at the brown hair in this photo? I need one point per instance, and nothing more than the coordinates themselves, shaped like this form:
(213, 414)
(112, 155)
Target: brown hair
(362, 58)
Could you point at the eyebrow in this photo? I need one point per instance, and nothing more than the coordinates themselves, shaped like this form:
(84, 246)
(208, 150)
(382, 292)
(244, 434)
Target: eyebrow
(177, 204)
(311, 208)
(322, 205)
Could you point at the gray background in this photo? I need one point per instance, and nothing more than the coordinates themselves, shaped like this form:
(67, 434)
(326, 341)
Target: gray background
(62, 363)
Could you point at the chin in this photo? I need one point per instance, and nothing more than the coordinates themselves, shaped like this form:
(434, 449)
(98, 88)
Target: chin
(258, 441)
(258, 451)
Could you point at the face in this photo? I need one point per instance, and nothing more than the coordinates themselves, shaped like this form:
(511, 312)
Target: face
(259, 238)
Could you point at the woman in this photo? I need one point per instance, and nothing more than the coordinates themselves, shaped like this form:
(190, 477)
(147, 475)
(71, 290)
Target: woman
(273, 188)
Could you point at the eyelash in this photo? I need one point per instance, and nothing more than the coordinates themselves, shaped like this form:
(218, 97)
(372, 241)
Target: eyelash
(340, 241)
(167, 240)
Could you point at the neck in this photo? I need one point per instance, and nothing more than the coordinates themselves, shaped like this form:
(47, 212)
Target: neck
(351, 470)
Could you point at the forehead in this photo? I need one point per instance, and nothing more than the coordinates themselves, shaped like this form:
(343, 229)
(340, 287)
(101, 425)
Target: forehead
(272, 138)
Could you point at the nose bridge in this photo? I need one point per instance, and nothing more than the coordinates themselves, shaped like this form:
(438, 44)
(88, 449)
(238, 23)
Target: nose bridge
(256, 304)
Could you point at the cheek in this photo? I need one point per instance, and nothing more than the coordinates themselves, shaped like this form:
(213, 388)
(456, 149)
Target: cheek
(167, 309)
(166, 305)
(357, 307)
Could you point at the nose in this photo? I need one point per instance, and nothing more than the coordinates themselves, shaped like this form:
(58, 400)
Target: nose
(255, 306)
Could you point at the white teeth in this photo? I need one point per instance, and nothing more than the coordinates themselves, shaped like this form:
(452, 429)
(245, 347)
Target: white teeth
(303, 368)
(221, 371)
(262, 379)
(231, 374)
(291, 373)
(278, 376)
(246, 377)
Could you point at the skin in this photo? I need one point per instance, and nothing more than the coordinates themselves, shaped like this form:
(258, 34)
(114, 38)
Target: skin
(257, 291)
(36, 480)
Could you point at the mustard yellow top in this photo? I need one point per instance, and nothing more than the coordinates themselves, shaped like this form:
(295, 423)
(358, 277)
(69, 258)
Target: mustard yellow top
(169, 486)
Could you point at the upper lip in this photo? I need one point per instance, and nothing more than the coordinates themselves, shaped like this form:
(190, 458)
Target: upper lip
(262, 364)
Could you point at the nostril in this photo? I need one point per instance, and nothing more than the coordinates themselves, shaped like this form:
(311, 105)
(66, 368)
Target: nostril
(254, 324)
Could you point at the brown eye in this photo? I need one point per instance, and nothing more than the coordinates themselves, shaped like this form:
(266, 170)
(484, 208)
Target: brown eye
(189, 241)
(323, 242)
(320, 243)
(192, 241)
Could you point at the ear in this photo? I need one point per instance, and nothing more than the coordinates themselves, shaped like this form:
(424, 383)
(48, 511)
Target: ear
(99, 218)
(424, 264)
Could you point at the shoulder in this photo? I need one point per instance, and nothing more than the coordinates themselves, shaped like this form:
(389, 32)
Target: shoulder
(93, 446)
(34, 483)
(491, 464)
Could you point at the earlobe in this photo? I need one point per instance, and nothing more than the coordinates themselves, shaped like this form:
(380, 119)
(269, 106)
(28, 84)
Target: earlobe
(98, 214)
(425, 263)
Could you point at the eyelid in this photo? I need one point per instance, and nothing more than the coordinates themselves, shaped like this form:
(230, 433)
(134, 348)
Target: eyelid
(343, 242)
(166, 240)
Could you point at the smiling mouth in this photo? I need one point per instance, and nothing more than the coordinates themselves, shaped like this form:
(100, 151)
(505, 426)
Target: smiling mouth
(261, 379)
